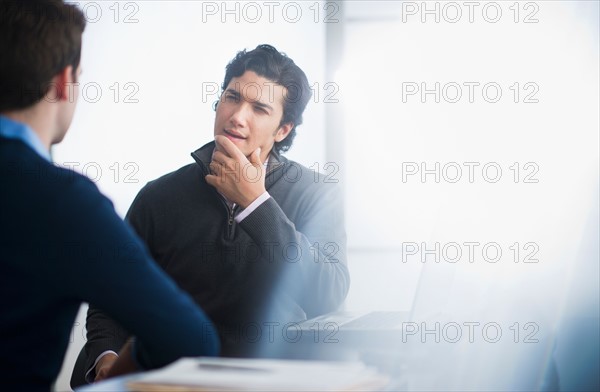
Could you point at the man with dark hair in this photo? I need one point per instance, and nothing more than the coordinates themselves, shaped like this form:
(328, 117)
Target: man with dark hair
(279, 69)
(256, 239)
(60, 239)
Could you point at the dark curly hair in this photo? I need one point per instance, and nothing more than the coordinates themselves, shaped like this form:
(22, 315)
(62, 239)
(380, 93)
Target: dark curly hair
(268, 62)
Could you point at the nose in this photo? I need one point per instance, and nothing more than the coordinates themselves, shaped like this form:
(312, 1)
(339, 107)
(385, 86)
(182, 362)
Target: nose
(239, 116)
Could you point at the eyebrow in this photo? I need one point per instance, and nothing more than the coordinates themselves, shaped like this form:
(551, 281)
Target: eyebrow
(258, 103)
(232, 91)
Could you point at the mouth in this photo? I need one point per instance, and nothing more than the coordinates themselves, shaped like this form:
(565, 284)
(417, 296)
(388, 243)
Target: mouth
(233, 135)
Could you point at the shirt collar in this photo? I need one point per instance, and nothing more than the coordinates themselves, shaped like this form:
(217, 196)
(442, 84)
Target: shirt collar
(11, 129)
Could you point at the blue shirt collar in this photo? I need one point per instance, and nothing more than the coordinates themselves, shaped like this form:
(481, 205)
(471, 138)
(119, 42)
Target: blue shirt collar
(11, 129)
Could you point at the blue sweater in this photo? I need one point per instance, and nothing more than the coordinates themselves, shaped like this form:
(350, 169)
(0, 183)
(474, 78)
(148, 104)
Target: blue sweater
(61, 243)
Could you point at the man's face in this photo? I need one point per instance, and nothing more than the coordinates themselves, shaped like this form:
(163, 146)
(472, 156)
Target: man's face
(249, 114)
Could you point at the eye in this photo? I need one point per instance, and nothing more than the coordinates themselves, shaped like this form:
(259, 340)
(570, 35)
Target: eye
(261, 109)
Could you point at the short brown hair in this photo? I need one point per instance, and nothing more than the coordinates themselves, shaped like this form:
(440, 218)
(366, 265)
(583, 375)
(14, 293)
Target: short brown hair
(38, 39)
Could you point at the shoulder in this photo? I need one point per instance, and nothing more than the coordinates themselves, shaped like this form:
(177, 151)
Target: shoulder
(314, 178)
(179, 179)
(25, 172)
(167, 192)
(305, 187)
(62, 203)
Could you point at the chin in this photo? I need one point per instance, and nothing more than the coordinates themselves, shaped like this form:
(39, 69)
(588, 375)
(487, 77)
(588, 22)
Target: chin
(59, 138)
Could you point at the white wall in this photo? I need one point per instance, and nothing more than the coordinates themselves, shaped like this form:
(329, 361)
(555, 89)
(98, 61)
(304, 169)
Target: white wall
(394, 214)
(391, 136)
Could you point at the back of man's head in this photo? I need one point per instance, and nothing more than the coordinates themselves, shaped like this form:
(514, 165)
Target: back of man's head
(38, 39)
(268, 62)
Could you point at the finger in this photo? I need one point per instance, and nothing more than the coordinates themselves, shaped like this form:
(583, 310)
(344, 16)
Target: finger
(215, 168)
(223, 159)
(230, 148)
(212, 180)
(100, 376)
(228, 164)
(255, 157)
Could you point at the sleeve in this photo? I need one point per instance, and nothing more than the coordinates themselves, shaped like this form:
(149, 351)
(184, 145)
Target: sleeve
(309, 256)
(104, 263)
(103, 334)
(254, 205)
(91, 374)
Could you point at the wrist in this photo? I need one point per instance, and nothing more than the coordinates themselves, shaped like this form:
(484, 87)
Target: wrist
(248, 201)
(106, 359)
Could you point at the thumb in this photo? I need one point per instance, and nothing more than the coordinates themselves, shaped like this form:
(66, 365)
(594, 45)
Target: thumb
(255, 157)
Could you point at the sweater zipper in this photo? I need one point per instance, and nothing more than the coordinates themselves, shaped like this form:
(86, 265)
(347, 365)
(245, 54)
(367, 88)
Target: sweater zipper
(230, 210)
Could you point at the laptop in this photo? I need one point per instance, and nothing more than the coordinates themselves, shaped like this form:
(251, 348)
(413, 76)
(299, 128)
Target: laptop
(429, 302)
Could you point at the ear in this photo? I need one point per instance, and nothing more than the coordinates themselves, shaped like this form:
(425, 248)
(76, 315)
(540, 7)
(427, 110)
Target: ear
(63, 83)
(283, 131)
